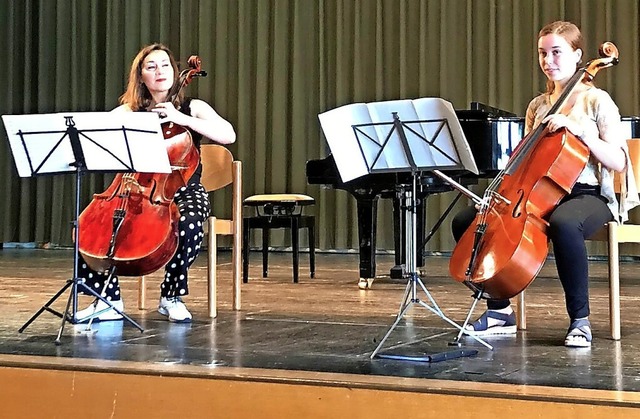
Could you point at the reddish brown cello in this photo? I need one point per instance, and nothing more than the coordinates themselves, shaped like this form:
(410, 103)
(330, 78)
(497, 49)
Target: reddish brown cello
(133, 225)
(504, 249)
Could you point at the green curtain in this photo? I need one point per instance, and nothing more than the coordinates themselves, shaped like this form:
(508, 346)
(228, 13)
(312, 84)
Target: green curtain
(273, 66)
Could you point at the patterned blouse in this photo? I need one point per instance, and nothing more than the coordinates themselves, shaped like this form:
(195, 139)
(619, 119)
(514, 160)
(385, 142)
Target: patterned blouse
(597, 113)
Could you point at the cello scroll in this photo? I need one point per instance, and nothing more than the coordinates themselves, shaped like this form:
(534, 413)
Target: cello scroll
(609, 57)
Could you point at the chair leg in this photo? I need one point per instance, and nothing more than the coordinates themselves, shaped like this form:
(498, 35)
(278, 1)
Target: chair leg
(294, 247)
(614, 281)
(246, 227)
(236, 266)
(142, 292)
(265, 251)
(211, 269)
(521, 312)
(312, 248)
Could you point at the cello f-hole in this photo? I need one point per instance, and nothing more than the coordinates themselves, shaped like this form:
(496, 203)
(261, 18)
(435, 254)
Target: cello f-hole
(516, 213)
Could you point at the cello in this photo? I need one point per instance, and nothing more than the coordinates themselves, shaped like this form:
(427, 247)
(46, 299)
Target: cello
(503, 250)
(132, 226)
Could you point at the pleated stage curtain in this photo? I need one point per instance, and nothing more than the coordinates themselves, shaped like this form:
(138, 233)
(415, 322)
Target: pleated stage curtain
(273, 66)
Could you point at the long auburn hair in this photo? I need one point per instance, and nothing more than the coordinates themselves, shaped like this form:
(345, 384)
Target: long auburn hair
(137, 96)
(570, 33)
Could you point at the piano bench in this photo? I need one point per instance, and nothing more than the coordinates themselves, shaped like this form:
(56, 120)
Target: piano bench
(278, 211)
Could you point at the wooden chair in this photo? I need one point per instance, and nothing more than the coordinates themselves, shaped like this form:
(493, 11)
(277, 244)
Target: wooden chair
(218, 171)
(614, 234)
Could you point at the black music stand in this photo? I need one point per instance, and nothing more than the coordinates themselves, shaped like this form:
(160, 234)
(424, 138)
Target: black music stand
(427, 138)
(105, 142)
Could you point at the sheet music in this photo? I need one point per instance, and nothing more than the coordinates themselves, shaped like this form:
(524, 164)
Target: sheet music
(336, 125)
(444, 109)
(40, 143)
(355, 147)
(394, 152)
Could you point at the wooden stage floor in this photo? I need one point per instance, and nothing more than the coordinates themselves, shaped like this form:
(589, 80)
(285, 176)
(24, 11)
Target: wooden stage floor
(325, 329)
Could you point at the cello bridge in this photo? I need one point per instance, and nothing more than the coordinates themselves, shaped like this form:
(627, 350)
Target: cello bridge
(496, 196)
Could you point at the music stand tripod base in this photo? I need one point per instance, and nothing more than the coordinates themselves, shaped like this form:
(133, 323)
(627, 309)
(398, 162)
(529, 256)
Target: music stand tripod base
(415, 282)
(410, 299)
(70, 315)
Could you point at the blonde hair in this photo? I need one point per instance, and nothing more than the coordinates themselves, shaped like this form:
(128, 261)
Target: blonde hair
(137, 96)
(570, 33)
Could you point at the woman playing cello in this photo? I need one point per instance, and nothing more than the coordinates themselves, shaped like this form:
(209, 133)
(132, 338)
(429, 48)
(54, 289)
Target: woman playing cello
(153, 73)
(591, 115)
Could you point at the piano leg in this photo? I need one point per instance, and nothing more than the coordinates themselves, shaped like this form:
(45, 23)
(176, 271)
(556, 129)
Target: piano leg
(397, 272)
(367, 216)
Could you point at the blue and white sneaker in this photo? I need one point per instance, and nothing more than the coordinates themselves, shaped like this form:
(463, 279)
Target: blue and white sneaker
(493, 322)
(579, 334)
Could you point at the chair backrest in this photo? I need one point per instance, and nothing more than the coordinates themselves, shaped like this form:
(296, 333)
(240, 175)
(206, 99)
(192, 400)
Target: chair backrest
(217, 166)
(634, 157)
(219, 169)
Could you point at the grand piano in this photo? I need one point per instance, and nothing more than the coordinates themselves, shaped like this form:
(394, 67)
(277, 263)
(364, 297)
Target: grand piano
(492, 134)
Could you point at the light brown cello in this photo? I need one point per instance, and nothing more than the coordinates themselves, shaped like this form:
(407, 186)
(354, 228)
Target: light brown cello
(133, 225)
(505, 247)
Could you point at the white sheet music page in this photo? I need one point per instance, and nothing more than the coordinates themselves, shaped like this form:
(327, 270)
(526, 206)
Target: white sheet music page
(337, 127)
(452, 144)
(394, 153)
(110, 141)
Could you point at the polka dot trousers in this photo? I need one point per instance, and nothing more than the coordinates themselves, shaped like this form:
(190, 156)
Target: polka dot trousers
(194, 207)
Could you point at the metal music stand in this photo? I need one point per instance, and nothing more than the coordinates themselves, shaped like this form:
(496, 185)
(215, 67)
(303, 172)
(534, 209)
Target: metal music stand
(402, 136)
(80, 143)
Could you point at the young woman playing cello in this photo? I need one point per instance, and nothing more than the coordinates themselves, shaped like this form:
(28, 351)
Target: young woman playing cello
(591, 115)
(153, 73)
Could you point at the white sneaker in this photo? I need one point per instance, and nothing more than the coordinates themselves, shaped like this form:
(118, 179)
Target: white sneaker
(96, 307)
(174, 308)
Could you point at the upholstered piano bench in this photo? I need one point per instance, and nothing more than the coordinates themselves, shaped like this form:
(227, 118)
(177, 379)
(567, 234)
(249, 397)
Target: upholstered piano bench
(278, 211)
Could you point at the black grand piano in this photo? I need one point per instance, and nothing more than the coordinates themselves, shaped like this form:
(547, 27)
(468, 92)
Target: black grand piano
(492, 134)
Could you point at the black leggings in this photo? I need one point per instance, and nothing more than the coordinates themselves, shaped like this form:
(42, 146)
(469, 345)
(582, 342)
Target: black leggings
(577, 217)
(194, 207)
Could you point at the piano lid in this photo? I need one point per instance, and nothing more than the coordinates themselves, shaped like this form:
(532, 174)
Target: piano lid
(493, 112)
